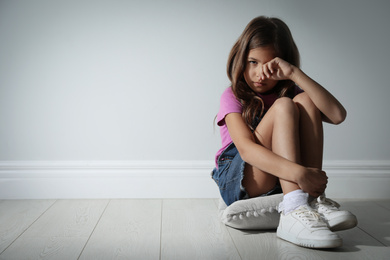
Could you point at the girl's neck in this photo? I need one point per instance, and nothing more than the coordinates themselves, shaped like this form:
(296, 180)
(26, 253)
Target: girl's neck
(272, 91)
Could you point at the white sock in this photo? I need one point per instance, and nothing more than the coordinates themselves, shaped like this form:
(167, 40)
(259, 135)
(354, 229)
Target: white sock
(294, 200)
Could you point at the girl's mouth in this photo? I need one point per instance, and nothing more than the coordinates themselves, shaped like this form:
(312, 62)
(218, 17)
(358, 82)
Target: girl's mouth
(259, 84)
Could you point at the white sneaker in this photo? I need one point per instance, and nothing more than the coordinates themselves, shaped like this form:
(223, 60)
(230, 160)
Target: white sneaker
(336, 219)
(304, 227)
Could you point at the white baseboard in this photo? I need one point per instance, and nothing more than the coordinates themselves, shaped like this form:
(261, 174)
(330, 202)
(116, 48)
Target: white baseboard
(163, 179)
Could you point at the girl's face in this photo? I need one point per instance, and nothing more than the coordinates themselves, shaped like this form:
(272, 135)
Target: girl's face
(252, 74)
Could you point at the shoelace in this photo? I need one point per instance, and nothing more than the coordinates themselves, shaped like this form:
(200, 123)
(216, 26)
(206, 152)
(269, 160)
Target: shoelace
(328, 203)
(310, 217)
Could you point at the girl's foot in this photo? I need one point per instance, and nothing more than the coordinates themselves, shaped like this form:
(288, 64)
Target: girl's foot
(335, 218)
(304, 227)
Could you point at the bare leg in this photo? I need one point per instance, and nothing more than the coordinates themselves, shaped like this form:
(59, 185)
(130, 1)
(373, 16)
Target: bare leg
(279, 132)
(311, 132)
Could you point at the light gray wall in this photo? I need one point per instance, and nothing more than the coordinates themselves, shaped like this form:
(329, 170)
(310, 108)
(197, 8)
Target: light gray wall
(141, 80)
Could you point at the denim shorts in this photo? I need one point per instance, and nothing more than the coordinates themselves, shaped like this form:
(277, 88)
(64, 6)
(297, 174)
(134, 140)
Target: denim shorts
(230, 174)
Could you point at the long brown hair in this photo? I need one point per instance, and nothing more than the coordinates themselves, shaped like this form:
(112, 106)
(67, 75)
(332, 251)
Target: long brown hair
(260, 32)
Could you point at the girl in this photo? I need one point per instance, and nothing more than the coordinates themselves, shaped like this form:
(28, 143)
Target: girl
(272, 135)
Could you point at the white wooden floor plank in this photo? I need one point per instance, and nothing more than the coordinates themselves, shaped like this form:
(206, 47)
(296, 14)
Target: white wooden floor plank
(60, 233)
(185, 229)
(265, 245)
(191, 229)
(128, 229)
(16, 216)
(384, 203)
(372, 218)
(258, 245)
(357, 244)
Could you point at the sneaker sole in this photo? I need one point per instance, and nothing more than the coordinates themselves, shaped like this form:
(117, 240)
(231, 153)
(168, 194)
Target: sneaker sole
(341, 223)
(310, 243)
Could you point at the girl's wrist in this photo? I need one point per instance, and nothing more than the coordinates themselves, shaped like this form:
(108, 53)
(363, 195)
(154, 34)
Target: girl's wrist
(298, 172)
(296, 74)
(292, 172)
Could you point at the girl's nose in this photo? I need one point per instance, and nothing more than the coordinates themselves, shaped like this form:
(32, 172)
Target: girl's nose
(259, 72)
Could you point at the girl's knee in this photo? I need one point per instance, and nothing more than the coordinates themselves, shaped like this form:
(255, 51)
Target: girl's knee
(306, 106)
(286, 105)
(303, 100)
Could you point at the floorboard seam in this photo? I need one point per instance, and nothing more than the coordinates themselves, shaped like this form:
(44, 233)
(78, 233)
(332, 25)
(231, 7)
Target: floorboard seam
(382, 206)
(234, 243)
(161, 227)
(93, 230)
(372, 236)
(24, 231)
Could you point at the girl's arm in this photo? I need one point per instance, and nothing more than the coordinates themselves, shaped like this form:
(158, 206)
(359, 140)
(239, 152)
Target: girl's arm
(332, 110)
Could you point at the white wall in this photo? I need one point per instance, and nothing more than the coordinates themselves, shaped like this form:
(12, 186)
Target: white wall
(141, 80)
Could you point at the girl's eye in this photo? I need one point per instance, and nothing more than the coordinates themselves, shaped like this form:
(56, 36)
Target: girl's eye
(252, 62)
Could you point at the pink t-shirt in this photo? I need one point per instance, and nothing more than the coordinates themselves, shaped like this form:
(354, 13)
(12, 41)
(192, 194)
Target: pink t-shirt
(230, 104)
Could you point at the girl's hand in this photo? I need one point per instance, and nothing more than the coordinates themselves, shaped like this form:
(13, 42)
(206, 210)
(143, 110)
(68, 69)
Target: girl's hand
(313, 181)
(277, 69)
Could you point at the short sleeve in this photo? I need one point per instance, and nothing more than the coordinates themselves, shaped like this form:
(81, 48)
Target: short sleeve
(228, 104)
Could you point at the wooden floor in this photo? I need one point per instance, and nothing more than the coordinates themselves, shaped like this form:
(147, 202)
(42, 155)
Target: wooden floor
(167, 229)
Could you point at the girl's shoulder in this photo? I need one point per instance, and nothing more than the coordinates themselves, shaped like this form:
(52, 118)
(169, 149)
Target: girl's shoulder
(228, 104)
(228, 91)
(229, 99)
(228, 95)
